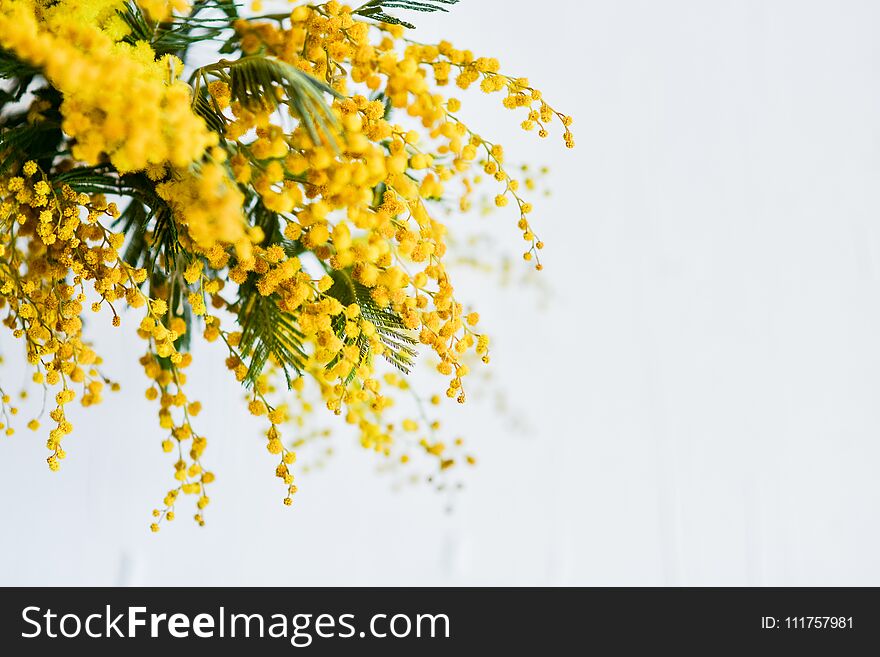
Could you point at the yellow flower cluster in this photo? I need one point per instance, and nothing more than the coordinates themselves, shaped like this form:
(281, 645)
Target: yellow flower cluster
(287, 201)
(44, 286)
(175, 415)
(119, 100)
(329, 43)
(206, 202)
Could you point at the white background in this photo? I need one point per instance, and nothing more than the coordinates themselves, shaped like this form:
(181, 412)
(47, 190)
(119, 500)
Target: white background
(702, 389)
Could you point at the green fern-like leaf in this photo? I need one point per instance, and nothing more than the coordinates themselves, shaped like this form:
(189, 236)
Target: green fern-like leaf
(23, 139)
(376, 9)
(178, 33)
(399, 341)
(27, 142)
(12, 67)
(204, 107)
(254, 82)
(91, 180)
(133, 223)
(268, 331)
(146, 214)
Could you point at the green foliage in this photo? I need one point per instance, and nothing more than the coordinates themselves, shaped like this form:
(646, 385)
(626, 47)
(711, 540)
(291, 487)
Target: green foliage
(12, 67)
(133, 221)
(21, 139)
(38, 140)
(92, 180)
(178, 34)
(177, 305)
(398, 340)
(207, 109)
(18, 137)
(152, 235)
(254, 81)
(147, 216)
(140, 27)
(376, 9)
(268, 331)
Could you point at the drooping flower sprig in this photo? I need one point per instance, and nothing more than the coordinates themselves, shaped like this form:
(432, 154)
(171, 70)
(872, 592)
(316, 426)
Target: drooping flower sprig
(280, 198)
